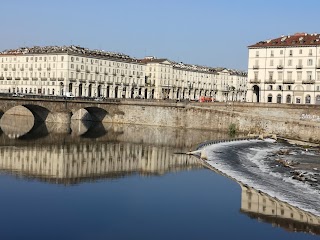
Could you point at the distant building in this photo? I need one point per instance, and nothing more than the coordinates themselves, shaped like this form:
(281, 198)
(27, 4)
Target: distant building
(91, 73)
(285, 70)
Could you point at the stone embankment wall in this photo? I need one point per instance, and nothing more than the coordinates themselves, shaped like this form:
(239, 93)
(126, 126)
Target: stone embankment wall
(290, 121)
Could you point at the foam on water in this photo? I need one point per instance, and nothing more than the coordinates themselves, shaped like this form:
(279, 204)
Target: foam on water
(249, 162)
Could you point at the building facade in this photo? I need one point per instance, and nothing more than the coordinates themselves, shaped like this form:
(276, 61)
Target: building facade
(92, 73)
(285, 70)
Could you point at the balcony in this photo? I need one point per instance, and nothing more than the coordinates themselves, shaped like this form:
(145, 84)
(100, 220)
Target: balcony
(48, 69)
(43, 79)
(5, 69)
(2, 78)
(9, 78)
(17, 78)
(87, 71)
(39, 69)
(255, 81)
(82, 81)
(21, 69)
(72, 80)
(318, 66)
(280, 67)
(14, 69)
(53, 79)
(270, 81)
(299, 67)
(97, 72)
(114, 74)
(105, 73)
(255, 67)
(34, 78)
(30, 69)
(60, 79)
(25, 78)
(287, 81)
(91, 81)
(122, 75)
(309, 81)
(78, 70)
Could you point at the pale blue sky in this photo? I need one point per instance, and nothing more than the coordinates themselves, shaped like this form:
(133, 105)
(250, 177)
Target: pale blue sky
(213, 33)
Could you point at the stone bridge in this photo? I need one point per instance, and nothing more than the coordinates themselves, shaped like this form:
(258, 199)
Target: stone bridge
(59, 110)
(294, 121)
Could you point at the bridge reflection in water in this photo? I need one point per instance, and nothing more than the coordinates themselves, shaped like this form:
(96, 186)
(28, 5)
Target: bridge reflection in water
(260, 206)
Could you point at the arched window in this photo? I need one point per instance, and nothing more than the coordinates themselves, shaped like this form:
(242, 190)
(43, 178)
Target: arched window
(279, 98)
(308, 99)
(288, 99)
(270, 98)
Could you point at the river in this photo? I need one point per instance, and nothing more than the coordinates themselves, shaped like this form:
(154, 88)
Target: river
(104, 181)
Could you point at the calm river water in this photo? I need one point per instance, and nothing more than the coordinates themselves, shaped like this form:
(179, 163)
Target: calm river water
(126, 182)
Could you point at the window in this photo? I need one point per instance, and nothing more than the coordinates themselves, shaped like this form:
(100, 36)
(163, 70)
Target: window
(310, 52)
(270, 76)
(298, 100)
(256, 75)
(299, 76)
(280, 76)
(257, 53)
(270, 98)
(308, 99)
(270, 87)
(279, 87)
(289, 75)
(281, 52)
(279, 98)
(300, 51)
(290, 62)
(271, 62)
(310, 62)
(309, 75)
(288, 98)
(290, 53)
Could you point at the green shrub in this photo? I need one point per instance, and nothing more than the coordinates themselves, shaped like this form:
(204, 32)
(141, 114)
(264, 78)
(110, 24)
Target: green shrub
(232, 129)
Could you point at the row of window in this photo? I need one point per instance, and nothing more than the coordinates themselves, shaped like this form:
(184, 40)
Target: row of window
(290, 62)
(289, 99)
(290, 52)
(309, 75)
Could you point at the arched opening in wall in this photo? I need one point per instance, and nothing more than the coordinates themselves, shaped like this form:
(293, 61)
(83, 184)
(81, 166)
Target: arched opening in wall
(132, 93)
(140, 92)
(308, 99)
(26, 90)
(80, 89)
(44, 91)
(108, 92)
(288, 98)
(90, 90)
(116, 91)
(52, 91)
(146, 93)
(124, 90)
(270, 98)
(256, 94)
(318, 99)
(61, 88)
(17, 89)
(178, 93)
(279, 98)
(70, 87)
(152, 94)
(99, 91)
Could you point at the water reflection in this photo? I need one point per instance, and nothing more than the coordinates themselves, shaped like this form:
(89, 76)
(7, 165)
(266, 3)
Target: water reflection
(260, 206)
(87, 151)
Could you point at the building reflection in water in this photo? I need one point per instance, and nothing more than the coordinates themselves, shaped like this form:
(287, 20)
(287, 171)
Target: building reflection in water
(82, 151)
(260, 206)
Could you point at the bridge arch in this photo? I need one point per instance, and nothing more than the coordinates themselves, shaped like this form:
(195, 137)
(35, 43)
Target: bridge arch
(94, 114)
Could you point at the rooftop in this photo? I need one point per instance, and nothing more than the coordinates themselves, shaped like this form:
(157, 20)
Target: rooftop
(298, 39)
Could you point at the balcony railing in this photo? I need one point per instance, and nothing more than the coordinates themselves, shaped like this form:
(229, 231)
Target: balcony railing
(60, 79)
(255, 81)
(53, 79)
(105, 73)
(270, 81)
(17, 78)
(72, 80)
(255, 67)
(14, 69)
(91, 81)
(30, 69)
(87, 71)
(25, 78)
(97, 72)
(309, 81)
(22, 69)
(9, 78)
(48, 69)
(5, 69)
(39, 69)
(43, 79)
(1, 78)
(287, 81)
(82, 81)
(299, 66)
(280, 67)
(34, 78)
(318, 66)
(78, 69)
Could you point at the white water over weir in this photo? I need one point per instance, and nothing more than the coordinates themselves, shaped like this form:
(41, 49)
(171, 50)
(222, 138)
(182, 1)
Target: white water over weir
(252, 162)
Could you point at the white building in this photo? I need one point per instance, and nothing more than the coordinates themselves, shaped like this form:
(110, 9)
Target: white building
(93, 73)
(285, 70)
(185, 81)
